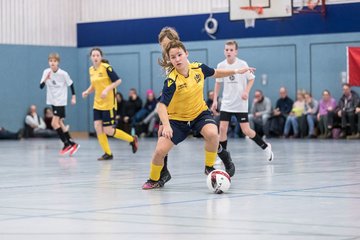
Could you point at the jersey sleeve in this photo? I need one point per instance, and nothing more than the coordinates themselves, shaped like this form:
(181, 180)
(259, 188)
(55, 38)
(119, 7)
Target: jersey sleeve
(207, 71)
(45, 73)
(168, 91)
(112, 74)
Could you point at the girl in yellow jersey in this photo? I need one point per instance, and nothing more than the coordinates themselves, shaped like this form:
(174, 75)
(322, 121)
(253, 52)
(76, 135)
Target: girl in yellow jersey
(104, 81)
(182, 108)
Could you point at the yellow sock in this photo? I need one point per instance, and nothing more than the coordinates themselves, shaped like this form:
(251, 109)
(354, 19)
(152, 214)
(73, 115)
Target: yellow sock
(210, 158)
(120, 134)
(103, 141)
(155, 172)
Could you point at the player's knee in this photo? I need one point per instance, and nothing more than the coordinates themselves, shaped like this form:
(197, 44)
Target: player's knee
(109, 131)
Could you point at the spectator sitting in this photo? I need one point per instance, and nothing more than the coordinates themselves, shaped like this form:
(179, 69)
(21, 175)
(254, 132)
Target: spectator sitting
(8, 135)
(132, 106)
(296, 112)
(120, 111)
(308, 120)
(35, 125)
(149, 106)
(357, 112)
(260, 112)
(275, 124)
(325, 116)
(48, 116)
(346, 110)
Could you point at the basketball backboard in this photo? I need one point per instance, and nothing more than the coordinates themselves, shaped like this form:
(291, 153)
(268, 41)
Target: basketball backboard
(241, 9)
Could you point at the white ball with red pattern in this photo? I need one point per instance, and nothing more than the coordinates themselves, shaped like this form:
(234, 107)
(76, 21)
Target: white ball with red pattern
(218, 181)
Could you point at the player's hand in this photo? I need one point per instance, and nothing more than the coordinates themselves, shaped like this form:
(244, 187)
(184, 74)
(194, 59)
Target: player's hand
(214, 106)
(103, 94)
(160, 130)
(73, 100)
(167, 131)
(244, 96)
(85, 94)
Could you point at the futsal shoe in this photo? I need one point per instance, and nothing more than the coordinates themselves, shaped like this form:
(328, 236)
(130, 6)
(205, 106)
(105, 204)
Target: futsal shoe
(208, 170)
(74, 149)
(150, 184)
(134, 144)
(106, 157)
(269, 153)
(165, 176)
(225, 156)
(65, 149)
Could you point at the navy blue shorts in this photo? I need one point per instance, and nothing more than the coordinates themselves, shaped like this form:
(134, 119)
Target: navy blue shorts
(106, 116)
(181, 129)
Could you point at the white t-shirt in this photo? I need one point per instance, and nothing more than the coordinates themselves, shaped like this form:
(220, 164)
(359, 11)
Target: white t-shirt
(57, 87)
(234, 87)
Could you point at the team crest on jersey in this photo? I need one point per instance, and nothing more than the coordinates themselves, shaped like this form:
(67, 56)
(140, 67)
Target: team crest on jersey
(197, 78)
(232, 78)
(170, 82)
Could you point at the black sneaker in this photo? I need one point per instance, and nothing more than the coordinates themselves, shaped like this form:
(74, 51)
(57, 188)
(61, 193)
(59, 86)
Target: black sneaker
(224, 155)
(208, 170)
(134, 144)
(105, 157)
(165, 176)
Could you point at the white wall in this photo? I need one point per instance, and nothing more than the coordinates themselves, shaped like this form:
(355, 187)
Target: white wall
(53, 22)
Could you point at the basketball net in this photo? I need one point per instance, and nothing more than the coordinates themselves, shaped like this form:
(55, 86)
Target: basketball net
(250, 22)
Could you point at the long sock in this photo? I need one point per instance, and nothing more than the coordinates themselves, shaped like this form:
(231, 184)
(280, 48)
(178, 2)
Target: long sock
(257, 139)
(210, 158)
(104, 143)
(62, 136)
(165, 162)
(120, 134)
(68, 137)
(155, 172)
(223, 144)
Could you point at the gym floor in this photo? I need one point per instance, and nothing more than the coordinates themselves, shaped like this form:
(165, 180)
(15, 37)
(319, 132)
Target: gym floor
(310, 191)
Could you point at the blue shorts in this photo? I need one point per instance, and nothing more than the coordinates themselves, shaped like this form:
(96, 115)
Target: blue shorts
(106, 116)
(181, 129)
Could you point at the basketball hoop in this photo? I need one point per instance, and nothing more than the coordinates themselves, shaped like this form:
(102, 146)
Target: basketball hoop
(250, 22)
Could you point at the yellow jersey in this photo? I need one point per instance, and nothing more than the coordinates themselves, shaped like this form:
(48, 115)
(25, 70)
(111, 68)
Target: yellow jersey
(184, 96)
(100, 78)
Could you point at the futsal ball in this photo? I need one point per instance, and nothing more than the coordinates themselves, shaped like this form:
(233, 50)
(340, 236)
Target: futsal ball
(218, 181)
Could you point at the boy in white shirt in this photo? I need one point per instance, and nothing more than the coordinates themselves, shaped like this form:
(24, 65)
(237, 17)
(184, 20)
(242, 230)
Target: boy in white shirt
(57, 81)
(235, 98)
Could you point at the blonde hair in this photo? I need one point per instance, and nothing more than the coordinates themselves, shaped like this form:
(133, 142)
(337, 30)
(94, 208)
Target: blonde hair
(171, 34)
(172, 44)
(55, 56)
(232, 42)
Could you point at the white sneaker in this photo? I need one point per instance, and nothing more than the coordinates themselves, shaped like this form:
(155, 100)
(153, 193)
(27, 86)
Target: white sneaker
(269, 152)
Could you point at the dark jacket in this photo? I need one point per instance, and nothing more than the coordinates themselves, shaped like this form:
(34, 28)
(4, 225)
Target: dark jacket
(284, 105)
(348, 105)
(132, 106)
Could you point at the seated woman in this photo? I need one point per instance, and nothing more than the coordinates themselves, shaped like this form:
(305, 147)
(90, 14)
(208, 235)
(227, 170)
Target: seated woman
(296, 112)
(326, 114)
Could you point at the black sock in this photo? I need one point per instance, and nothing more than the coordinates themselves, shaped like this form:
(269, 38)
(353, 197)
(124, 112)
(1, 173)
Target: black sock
(68, 137)
(223, 144)
(165, 162)
(257, 139)
(62, 136)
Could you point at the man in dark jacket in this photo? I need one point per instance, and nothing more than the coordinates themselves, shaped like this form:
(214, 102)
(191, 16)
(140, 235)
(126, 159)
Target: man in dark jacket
(133, 105)
(346, 111)
(275, 124)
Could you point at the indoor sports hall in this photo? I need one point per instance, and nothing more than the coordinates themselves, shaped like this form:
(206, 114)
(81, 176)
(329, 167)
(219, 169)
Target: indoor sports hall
(94, 95)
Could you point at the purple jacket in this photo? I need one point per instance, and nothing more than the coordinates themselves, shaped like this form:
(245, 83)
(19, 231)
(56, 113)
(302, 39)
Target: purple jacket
(323, 106)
